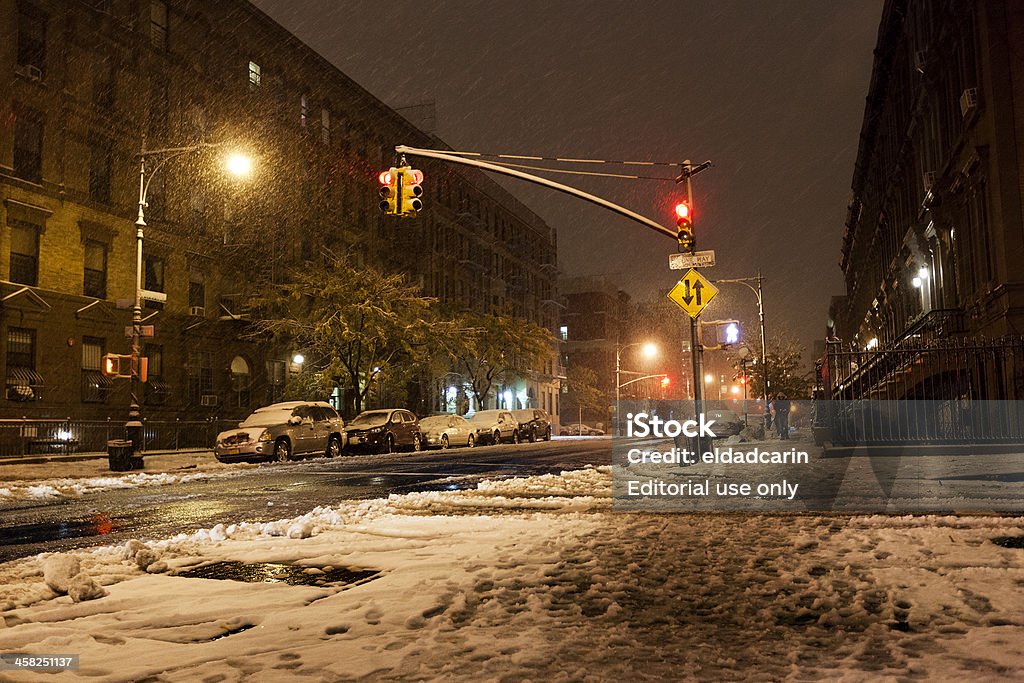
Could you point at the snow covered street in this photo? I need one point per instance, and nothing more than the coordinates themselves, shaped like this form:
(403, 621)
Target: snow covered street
(536, 579)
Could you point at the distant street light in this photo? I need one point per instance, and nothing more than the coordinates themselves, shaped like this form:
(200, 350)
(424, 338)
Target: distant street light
(650, 350)
(298, 359)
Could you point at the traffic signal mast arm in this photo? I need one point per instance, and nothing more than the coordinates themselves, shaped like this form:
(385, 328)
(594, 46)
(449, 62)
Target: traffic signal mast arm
(451, 158)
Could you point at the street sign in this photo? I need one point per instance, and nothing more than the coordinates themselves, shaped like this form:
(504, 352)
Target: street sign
(702, 259)
(693, 292)
(144, 331)
(150, 295)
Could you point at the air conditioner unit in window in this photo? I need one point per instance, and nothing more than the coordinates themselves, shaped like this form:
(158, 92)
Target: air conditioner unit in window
(968, 101)
(208, 400)
(197, 311)
(33, 72)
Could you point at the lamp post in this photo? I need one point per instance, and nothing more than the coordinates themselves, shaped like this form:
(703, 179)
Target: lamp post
(650, 350)
(745, 281)
(238, 164)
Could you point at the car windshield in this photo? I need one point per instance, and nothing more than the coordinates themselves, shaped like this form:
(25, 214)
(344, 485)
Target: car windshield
(437, 421)
(373, 418)
(485, 416)
(266, 418)
(523, 415)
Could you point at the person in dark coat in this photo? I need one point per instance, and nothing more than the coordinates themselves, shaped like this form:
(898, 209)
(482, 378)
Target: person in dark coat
(782, 406)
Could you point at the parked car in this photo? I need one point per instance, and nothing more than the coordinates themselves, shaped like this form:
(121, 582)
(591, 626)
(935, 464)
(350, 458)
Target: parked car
(534, 424)
(283, 431)
(576, 429)
(727, 423)
(384, 431)
(444, 431)
(495, 426)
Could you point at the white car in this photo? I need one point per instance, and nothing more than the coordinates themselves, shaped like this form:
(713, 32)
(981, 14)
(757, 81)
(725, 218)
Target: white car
(496, 426)
(445, 431)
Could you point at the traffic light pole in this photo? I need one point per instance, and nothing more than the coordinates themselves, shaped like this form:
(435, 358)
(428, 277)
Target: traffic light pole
(745, 281)
(695, 348)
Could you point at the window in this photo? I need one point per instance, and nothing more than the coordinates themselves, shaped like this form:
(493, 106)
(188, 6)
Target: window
(95, 284)
(28, 145)
(255, 76)
(200, 375)
(325, 126)
(156, 389)
(99, 171)
(303, 110)
(103, 79)
(154, 279)
(95, 384)
(196, 289)
(563, 332)
(158, 24)
(32, 39)
(276, 373)
(22, 380)
(24, 253)
(241, 381)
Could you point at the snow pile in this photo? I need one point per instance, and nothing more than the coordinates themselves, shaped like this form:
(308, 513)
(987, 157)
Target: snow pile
(56, 488)
(560, 592)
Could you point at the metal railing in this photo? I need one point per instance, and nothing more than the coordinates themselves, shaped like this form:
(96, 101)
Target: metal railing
(31, 437)
(943, 391)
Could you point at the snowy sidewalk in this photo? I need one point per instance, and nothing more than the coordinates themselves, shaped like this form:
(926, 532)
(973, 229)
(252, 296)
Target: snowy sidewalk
(534, 579)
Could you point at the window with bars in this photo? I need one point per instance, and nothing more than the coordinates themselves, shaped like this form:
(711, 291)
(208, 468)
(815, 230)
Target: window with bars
(154, 279)
(196, 289)
(303, 110)
(95, 284)
(24, 253)
(28, 145)
(158, 24)
(157, 389)
(95, 384)
(22, 380)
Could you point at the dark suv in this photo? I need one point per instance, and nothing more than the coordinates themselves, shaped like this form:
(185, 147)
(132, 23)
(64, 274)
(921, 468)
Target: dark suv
(534, 424)
(384, 431)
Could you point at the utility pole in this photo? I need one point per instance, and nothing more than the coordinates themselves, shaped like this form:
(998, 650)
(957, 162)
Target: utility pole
(695, 347)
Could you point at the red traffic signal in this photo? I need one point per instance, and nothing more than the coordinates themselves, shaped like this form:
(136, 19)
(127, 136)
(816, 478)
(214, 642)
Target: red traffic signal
(682, 213)
(387, 177)
(665, 381)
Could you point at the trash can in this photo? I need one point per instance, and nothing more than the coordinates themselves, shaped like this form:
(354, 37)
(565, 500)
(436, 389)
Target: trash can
(119, 455)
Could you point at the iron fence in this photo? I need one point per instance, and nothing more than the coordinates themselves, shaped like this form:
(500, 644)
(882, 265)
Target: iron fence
(30, 437)
(943, 391)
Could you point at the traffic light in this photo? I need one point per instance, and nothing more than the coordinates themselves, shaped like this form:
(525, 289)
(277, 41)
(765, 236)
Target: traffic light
(388, 191)
(116, 365)
(728, 332)
(665, 381)
(411, 190)
(684, 227)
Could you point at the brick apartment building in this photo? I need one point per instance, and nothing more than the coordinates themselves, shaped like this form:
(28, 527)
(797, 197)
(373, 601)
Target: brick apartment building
(87, 84)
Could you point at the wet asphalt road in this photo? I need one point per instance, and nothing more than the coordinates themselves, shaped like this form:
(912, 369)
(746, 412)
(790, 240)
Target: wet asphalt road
(271, 492)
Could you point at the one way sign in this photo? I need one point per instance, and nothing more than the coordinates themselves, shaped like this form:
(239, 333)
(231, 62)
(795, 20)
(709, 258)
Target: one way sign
(693, 292)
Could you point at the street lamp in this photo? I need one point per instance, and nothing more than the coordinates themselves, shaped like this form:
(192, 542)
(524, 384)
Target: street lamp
(238, 165)
(745, 281)
(650, 350)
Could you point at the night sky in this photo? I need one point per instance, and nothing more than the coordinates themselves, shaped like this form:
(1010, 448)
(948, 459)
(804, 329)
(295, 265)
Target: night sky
(771, 92)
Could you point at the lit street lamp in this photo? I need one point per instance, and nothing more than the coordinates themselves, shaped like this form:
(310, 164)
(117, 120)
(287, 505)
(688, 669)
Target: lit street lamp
(764, 347)
(650, 351)
(238, 165)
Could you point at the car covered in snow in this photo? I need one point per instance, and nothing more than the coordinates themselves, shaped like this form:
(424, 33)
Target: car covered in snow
(727, 422)
(496, 426)
(284, 431)
(384, 431)
(577, 429)
(445, 431)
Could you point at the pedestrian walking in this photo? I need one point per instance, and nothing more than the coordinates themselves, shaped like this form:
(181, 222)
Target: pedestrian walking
(782, 406)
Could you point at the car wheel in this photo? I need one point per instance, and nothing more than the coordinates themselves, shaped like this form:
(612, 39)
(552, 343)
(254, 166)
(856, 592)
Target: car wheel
(515, 436)
(533, 434)
(333, 447)
(470, 442)
(547, 436)
(388, 444)
(496, 437)
(282, 450)
(444, 441)
(417, 443)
